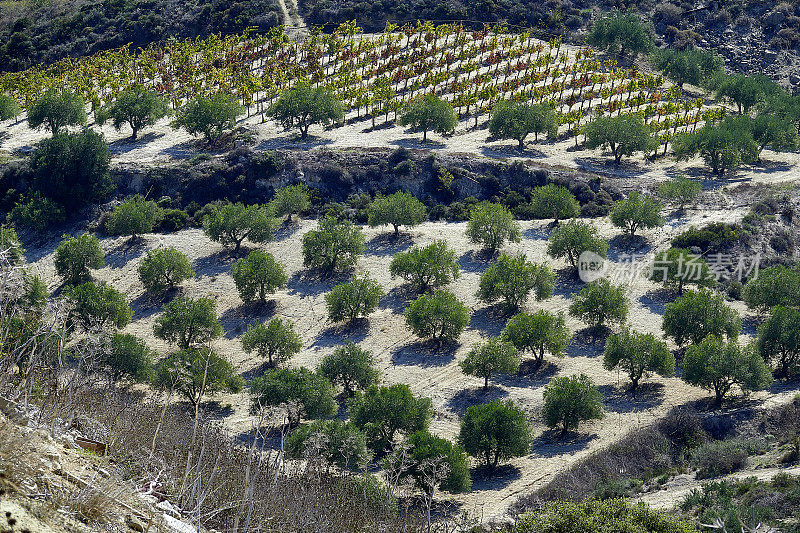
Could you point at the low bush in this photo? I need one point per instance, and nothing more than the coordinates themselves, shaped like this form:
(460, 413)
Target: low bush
(722, 457)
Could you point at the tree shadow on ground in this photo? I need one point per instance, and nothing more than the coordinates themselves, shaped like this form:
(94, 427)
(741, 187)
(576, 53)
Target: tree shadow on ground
(215, 410)
(126, 144)
(510, 150)
(339, 334)
(269, 441)
(626, 248)
(567, 282)
(286, 231)
(475, 261)
(124, 252)
(427, 353)
(257, 371)
(587, 342)
(552, 443)
(485, 478)
(236, 319)
(606, 165)
(399, 298)
(146, 304)
(656, 300)
(490, 319)
(292, 141)
(183, 150)
(537, 234)
(385, 244)
(622, 400)
(214, 264)
(413, 142)
(313, 283)
(466, 398)
(529, 375)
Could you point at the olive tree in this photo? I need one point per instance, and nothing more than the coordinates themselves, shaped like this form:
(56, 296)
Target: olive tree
(339, 442)
(429, 113)
(164, 269)
(635, 212)
(778, 340)
(489, 358)
(188, 322)
(623, 134)
(258, 275)
(196, 373)
(428, 453)
(569, 400)
(440, 316)
(398, 209)
(382, 412)
(290, 200)
(516, 120)
(334, 245)
(723, 146)
(210, 116)
(513, 278)
(55, 110)
(572, 239)
(554, 201)
(357, 298)
(74, 257)
(98, 306)
(687, 66)
(276, 341)
(621, 32)
(129, 359)
(351, 366)
(231, 224)
(678, 267)
(697, 314)
(495, 431)
(539, 333)
(490, 225)
(776, 285)
(304, 394)
(429, 267)
(638, 354)
(136, 106)
(681, 190)
(133, 216)
(304, 105)
(599, 303)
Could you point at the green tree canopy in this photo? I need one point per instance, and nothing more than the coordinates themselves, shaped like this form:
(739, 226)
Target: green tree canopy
(776, 285)
(258, 275)
(382, 412)
(98, 306)
(723, 146)
(11, 249)
(398, 209)
(231, 224)
(638, 354)
(599, 303)
(164, 269)
(716, 365)
(621, 32)
(425, 450)
(129, 359)
(429, 113)
(697, 314)
(357, 298)
(136, 106)
(351, 366)
(305, 394)
(36, 212)
(210, 116)
(570, 399)
(290, 200)
(9, 108)
(745, 91)
(440, 316)
(554, 201)
(570, 240)
(197, 372)
(339, 442)
(516, 120)
(495, 431)
(635, 212)
(304, 105)
(773, 131)
(679, 267)
(334, 245)
(538, 333)
(187, 322)
(55, 110)
(513, 278)
(429, 267)
(133, 216)
(489, 358)
(490, 225)
(681, 190)
(779, 340)
(623, 134)
(276, 341)
(76, 255)
(692, 65)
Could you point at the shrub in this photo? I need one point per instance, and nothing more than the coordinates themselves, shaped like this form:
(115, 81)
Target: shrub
(196, 373)
(276, 341)
(173, 220)
(572, 239)
(495, 431)
(334, 245)
(513, 278)
(714, 235)
(429, 267)
(9, 108)
(133, 216)
(569, 400)
(516, 120)
(599, 303)
(164, 269)
(491, 225)
(779, 340)
(129, 358)
(638, 354)
(440, 316)
(697, 314)
(716, 365)
(135, 106)
(489, 358)
(76, 255)
(382, 412)
(680, 267)
(624, 135)
(554, 201)
(621, 32)
(11, 248)
(55, 110)
(721, 457)
(187, 322)
(538, 333)
(211, 115)
(778, 285)
(36, 212)
(398, 209)
(351, 366)
(290, 200)
(429, 113)
(304, 393)
(681, 190)
(304, 105)
(636, 211)
(358, 297)
(230, 224)
(338, 442)
(426, 450)
(98, 306)
(258, 275)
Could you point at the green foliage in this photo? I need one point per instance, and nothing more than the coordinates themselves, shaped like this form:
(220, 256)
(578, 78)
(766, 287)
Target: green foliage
(351, 366)
(230, 224)
(305, 394)
(722, 457)
(187, 322)
(164, 269)
(9, 108)
(777, 285)
(72, 169)
(570, 240)
(429, 113)
(304, 105)
(723, 146)
(258, 275)
(130, 359)
(440, 316)
(357, 298)
(55, 110)
(491, 225)
(11, 249)
(569, 400)
(638, 354)
(489, 358)
(290, 200)
(779, 340)
(495, 431)
(437, 462)
(697, 314)
(713, 235)
(624, 135)
(398, 209)
(211, 116)
(692, 65)
(36, 212)
(334, 245)
(382, 412)
(716, 365)
(516, 120)
(554, 201)
(429, 267)
(339, 442)
(745, 91)
(76, 255)
(98, 306)
(135, 106)
(599, 303)
(679, 267)
(681, 190)
(276, 341)
(606, 516)
(773, 131)
(538, 333)
(621, 32)
(636, 211)
(513, 278)
(196, 373)
(133, 216)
